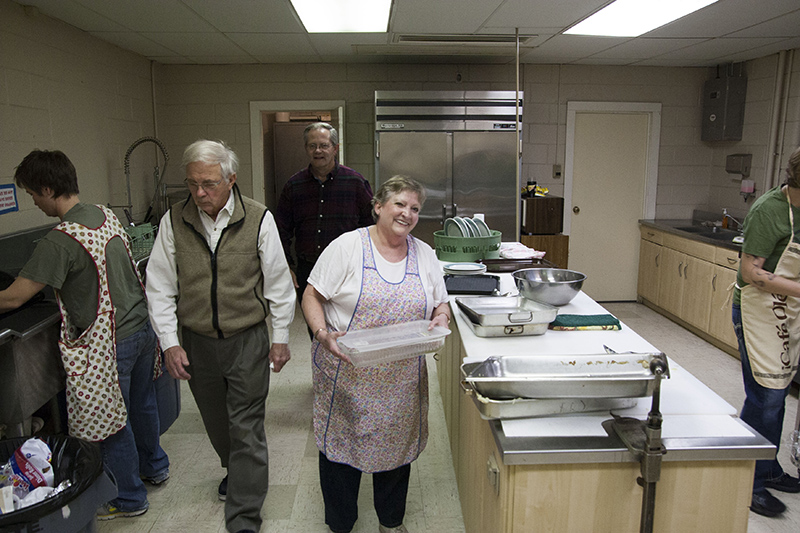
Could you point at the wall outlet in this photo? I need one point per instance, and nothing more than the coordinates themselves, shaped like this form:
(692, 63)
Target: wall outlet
(556, 172)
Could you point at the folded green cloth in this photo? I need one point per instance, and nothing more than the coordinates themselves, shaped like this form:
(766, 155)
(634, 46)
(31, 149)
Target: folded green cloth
(585, 322)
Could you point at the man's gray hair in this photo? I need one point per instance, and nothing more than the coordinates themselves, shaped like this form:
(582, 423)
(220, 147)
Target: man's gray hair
(212, 152)
(321, 126)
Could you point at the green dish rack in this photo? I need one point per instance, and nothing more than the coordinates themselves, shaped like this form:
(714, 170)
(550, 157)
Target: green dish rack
(142, 238)
(467, 248)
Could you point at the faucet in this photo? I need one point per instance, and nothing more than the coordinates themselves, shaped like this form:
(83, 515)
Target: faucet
(726, 216)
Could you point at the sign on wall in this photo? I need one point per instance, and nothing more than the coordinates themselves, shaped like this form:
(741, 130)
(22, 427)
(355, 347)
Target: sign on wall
(8, 198)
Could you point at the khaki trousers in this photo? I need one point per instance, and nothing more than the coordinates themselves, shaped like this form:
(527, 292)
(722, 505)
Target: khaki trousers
(230, 382)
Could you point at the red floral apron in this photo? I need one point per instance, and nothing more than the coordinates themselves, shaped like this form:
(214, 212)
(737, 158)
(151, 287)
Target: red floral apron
(374, 418)
(95, 407)
(771, 325)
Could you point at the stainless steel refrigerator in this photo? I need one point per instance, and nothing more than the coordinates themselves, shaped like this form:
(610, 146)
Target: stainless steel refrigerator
(462, 145)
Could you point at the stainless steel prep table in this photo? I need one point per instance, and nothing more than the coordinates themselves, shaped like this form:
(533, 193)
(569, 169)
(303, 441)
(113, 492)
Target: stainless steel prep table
(497, 470)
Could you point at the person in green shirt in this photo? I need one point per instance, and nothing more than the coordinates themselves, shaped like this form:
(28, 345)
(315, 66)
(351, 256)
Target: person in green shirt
(766, 319)
(87, 251)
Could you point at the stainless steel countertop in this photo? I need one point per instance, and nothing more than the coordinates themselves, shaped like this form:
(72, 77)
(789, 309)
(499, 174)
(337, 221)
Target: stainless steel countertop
(597, 449)
(610, 449)
(671, 226)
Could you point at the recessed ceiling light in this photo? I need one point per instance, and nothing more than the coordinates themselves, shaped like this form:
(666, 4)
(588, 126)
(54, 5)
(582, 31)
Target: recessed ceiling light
(631, 18)
(344, 16)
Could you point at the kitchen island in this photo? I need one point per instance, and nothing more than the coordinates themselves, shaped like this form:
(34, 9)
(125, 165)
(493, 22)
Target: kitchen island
(565, 473)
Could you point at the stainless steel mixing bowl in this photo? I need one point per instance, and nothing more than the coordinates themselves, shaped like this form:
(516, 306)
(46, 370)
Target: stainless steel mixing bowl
(554, 286)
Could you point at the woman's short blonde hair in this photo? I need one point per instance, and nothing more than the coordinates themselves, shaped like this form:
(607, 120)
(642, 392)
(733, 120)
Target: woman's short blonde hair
(396, 185)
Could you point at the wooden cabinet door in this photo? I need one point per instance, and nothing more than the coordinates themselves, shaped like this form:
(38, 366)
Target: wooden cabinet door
(719, 324)
(649, 271)
(697, 280)
(670, 286)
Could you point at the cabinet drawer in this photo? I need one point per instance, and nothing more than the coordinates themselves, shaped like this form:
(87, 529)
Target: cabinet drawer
(727, 258)
(652, 235)
(696, 249)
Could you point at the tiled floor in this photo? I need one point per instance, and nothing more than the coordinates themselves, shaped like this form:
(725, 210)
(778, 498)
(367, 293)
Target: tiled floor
(188, 503)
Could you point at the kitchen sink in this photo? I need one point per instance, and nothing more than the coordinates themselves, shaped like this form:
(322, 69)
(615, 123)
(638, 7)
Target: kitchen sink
(717, 234)
(694, 229)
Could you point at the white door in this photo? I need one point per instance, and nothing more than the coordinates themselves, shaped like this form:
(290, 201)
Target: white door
(611, 178)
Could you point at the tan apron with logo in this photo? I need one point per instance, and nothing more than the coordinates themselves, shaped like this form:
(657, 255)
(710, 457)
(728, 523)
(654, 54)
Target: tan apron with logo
(95, 407)
(770, 323)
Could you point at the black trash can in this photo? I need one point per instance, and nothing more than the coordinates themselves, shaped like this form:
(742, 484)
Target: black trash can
(75, 509)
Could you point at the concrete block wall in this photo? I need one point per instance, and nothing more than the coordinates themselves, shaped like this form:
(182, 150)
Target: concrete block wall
(684, 161)
(63, 89)
(208, 101)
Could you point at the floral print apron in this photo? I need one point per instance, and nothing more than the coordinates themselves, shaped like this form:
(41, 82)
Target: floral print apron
(374, 418)
(771, 325)
(95, 407)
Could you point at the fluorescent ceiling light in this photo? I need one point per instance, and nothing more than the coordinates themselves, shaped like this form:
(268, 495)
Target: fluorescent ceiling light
(344, 16)
(631, 18)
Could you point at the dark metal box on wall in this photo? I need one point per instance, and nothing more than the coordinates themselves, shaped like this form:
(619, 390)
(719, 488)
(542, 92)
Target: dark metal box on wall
(723, 108)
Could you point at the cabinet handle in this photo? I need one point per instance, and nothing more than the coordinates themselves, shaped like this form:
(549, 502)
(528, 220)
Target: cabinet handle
(680, 265)
(657, 256)
(684, 269)
(714, 283)
(732, 261)
(651, 234)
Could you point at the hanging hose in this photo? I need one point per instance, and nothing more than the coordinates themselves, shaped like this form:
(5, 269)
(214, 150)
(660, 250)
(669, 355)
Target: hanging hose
(159, 175)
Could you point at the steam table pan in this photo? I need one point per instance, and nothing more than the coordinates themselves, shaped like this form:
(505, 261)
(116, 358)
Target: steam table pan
(490, 409)
(619, 375)
(506, 316)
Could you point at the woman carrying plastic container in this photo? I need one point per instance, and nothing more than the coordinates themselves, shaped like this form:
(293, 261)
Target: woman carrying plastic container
(372, 419)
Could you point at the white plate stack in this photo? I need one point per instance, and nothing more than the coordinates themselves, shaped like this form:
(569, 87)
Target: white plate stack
(464, 269)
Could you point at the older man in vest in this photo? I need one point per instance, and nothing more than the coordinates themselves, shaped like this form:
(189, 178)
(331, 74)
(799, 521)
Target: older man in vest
(218, 271)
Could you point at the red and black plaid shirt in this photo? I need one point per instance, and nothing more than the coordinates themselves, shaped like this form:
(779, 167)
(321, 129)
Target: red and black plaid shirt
(314, 213)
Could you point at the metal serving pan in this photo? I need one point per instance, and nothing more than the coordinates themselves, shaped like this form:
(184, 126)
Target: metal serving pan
(506, 311)
(619, 375)
(490, 409)
(517, 330)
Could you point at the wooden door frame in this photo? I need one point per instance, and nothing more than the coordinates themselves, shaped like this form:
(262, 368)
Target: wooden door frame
(257, 141)
(653, 110)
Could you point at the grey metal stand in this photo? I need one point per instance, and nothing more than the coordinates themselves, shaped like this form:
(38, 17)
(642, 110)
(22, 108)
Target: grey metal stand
(643, 439)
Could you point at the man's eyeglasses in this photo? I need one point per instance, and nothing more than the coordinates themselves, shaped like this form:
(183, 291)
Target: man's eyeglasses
(324, 146)
(207, 186)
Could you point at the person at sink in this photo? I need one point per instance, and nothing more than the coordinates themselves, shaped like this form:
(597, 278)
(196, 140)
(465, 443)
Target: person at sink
(766, 319)
(111, 397)
(372, 419)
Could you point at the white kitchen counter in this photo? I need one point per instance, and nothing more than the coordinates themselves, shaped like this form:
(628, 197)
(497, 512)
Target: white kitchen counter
(698, 423)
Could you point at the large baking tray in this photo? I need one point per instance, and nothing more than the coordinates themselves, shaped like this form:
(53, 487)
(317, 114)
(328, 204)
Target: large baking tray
(484, 284)
(517, 330)
(619, 375)
(490, 409)
(510, 265)
(506, 311)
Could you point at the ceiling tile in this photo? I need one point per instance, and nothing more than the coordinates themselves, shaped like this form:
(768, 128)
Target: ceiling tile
(248, 16)
(150, 15)
(265, 44)
(437, 17)
(561, 14)
(197, 44)
(135, 42)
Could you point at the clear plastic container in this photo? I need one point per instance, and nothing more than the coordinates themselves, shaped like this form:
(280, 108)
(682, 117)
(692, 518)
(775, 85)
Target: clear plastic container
(374, 346)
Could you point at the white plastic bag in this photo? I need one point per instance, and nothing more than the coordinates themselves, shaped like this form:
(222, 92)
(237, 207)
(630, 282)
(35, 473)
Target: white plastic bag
(28, 468)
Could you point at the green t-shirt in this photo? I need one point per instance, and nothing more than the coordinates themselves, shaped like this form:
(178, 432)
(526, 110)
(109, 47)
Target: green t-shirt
(767, 230)
(59, 261)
